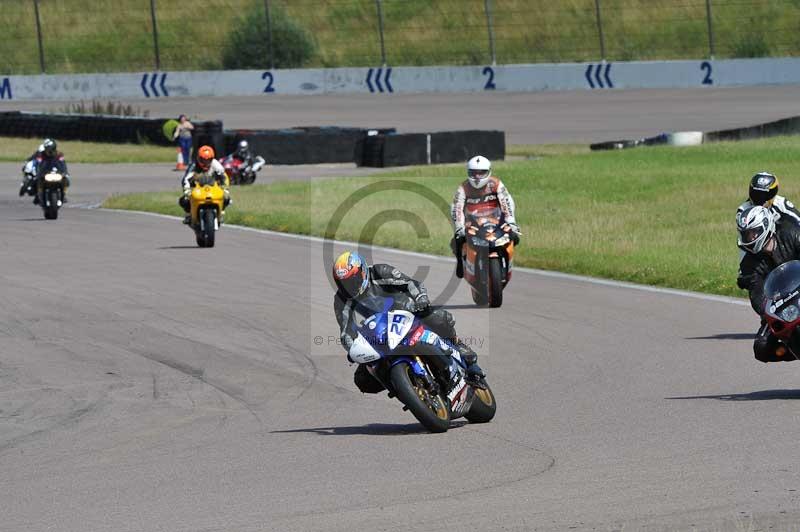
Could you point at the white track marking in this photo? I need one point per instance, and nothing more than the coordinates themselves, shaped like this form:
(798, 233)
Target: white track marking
(531, 271)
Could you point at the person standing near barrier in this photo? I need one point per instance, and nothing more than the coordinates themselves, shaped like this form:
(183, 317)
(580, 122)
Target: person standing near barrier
(183, 133)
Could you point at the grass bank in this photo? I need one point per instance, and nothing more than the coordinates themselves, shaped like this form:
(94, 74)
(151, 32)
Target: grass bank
(662, 216)
(117, 35)
(16, 150)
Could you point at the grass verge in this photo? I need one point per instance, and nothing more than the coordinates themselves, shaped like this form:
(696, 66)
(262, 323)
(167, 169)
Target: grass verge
(113, 36)
(16, 150)
(661, 216)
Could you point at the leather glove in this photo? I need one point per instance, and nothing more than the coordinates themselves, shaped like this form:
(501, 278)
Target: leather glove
(459, 233)
(513, 232)
(186, 192)
(422, 303)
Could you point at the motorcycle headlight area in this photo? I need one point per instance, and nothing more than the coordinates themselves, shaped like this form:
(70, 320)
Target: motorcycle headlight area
(789, 313)
(478, 241)
(52, 178)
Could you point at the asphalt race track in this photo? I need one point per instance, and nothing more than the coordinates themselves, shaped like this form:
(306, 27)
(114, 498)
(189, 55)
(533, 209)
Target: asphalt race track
(149, 385)
(527, 118)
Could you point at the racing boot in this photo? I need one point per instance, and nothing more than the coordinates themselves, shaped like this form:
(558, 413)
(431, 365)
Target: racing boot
(475, 374)
(456, 245)
(187, 219)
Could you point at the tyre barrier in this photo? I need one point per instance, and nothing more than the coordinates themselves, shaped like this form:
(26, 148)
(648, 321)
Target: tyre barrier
(388, 149)
(784, 126)
(298, 145)
(302, 145)
(95, 128)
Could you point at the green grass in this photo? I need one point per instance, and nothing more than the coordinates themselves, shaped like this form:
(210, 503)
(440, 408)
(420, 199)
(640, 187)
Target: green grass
(18, 149)
(662, 215)
(107, 36)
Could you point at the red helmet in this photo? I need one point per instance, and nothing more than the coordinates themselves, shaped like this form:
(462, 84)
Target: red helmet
(204, 157)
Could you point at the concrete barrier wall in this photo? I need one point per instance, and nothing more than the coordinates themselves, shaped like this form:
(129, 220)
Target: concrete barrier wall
(392, 80)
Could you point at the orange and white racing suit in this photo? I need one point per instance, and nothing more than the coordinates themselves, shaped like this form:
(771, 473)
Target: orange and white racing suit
(469, 199)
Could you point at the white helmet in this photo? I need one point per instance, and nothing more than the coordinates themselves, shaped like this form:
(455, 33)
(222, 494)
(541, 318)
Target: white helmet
(756, 226)
(479, 168)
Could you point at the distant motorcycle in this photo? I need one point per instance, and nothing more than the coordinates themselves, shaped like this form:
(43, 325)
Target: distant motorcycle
(782, 307)
(238, 172)
(396, 346)
(207, 203)
(50, 191)
(488, 252)
(28, 179)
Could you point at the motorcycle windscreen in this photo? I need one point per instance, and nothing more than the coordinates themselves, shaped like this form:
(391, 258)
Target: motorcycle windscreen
(205, 180)
(783, 287)
(481, 212)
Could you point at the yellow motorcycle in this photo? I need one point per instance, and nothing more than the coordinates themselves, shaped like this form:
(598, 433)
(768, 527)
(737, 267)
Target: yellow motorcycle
(207, 207)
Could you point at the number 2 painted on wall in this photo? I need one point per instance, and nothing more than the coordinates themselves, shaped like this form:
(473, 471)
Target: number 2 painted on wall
(270, 79)
(706, 67)
(490, 86)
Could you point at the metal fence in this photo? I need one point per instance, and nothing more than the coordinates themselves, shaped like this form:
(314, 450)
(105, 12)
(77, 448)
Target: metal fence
(55, 36)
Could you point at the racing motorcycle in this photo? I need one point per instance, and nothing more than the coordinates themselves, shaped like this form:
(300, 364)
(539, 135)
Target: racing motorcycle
(50, 191)
(207, 205)
(238, 172)
(782, 307)
(424, 371)
(487, 254)
(28, 179)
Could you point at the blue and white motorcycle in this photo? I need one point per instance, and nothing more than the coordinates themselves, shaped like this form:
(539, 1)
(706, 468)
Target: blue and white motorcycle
(424, 371)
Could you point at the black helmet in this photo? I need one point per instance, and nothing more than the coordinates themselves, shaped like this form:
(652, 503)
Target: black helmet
(763, 188)
(49, 146)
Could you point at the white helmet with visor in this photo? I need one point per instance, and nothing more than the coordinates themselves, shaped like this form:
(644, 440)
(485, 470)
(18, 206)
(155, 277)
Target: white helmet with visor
(479, 168)
(756, 226)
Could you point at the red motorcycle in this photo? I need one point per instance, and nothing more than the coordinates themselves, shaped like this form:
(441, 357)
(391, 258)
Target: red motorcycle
(782, 307)
(238, 172)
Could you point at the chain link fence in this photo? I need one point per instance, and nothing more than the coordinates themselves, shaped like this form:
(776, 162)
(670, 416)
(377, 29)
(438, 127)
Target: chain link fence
(66, 36)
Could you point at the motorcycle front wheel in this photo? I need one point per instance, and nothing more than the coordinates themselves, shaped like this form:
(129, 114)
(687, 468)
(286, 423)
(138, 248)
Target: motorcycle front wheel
(430, 410)
(51, 210)
(483, 406)
(494, 284)
(206, 233)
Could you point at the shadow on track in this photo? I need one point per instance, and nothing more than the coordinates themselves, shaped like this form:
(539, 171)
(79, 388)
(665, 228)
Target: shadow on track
(459, 307)
(764, 395)
(373, 429)
(724, 336)
(179, 247)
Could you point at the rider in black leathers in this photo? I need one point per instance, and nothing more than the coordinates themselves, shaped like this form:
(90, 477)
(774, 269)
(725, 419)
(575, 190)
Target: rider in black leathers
(781, 243)
(51, 159)
(383, 279)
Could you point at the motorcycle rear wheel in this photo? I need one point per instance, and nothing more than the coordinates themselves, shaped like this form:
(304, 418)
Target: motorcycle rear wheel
(432, 411)
(483, 406)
